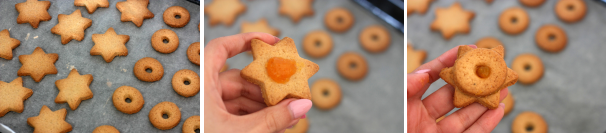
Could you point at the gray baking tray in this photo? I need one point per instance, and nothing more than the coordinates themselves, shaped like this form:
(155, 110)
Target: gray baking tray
(374, 104)
(107, 76)
(570, 96)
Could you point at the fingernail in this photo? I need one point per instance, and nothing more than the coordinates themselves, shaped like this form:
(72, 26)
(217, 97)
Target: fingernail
(502, 105)
(298, 108)
(277, 39)
(303, 117)
(422, 71)
(472, 46)
(290, 126)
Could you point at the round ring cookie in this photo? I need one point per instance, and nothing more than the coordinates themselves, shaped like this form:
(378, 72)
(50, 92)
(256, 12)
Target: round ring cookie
(551, 38)
(301, 127)
(172, 112)
(106, 129)
(191, 124)
(480, 75)
(141, 67)
(489, 42)
(326, 94)
(339, 19)
(176, 16)
(352, 66)
(570, 10)
(128, 99)
(165, 41)
(186, 82)
(529, 68)
(193, 53)
(529, 122)
(532, 3)
(317, 44)
(509, 103)
(375, 39)
(514, 20)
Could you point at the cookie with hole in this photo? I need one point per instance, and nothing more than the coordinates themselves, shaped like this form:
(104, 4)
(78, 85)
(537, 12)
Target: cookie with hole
(176, 16)
(339, 19)
(127, 99)
(191, 124)
(317, 44)
(352, 66)
(326, 94)
(106, 129)
(165, 41)
(514, 20)
(165, 115)
(148, 69)
(529, 68)
(186, 82)
(478, 75)
(529, 121)
(375, 39)
(301, 127)
(532, 3)
(570, 11)
(489, 42)
(193, 53)
(551, 38)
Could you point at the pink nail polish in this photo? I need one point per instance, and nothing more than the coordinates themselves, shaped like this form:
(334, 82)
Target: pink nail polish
(303, 117)
(422, 71)
(298, 108)
(472, 46)
(502, 105)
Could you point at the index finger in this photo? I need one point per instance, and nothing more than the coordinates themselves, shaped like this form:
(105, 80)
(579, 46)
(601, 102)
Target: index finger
(219, 49)
(445, 60)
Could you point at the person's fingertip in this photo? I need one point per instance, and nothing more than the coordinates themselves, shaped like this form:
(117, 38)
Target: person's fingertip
(502, 105)
(472, 46)
(422, 71)
(303, 117)
(298, 108)
(276, 39)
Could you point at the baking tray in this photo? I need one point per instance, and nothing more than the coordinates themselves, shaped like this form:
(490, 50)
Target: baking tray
(107, 76)
(374, 104)
(570, 95)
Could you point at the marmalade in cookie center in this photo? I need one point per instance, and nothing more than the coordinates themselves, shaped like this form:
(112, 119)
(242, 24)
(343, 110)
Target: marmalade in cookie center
(280, 69)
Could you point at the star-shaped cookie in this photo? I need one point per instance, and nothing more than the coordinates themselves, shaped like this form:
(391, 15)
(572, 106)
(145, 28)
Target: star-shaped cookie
(50, 122)
(259, 26)
(38, 64)
(296, 9)
(71, 26)
(279, 71)
(7, 44)
(452, 20)
(135, 11)
(74, 89)
(12, 96)
(419, 6)
(32, 12)
(109, 45)
(91, 5)
(414, 58)
(224, 11)
(478, 75)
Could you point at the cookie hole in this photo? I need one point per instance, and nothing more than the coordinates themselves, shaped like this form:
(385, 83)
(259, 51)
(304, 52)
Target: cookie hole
(339, 19)
(165, 41)
(127, 100)
(197, 130)
(529, 128)
(514, 20)
(483, 71)
(186, 82)
(178, 16)
(148, 70)
(551, 37)
(164, 115)
(353, 65)
(570, 7)
(375, 37)
(325, 92)
(318, 43)
(527, 67)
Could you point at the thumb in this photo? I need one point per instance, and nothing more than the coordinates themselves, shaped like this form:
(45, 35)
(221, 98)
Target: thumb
(280, 116)
(417, 82)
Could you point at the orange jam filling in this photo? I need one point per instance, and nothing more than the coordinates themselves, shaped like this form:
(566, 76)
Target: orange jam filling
(280, 69)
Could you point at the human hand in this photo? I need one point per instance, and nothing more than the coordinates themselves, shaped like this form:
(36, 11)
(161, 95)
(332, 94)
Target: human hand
(232, 104)
(422, 114)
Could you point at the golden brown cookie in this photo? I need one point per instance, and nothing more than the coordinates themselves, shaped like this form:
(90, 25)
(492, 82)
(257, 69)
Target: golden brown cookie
(106, 129)
(326, 94)
(514, 20)
(352, 66)
(527, 122)
(109, 45)
(301, 127)
(529, 67)
(172, 112)
(12, 96)
(551, 38)
(296, 9)
(375, 38)
(38, 64)
(279, 71)
(509, 103)
(71, 26)
(193, 53)
(452, 20)
(414, 58)
(49, 121)
(128, 99)
(7, 44)
(570, 11)
(32, 12)
(489, 42)
(156, 71)
(317, 43)
(532, 3)
(259, 26)
(339, 19)
(224, 68)
(176, 16)
(224, 11)
(135, 11)
(165, 41)
(74, 89)
(440, 119)
(186, 82)
(191, 124)
(419, 6)
(478, 75)
(91, 5)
